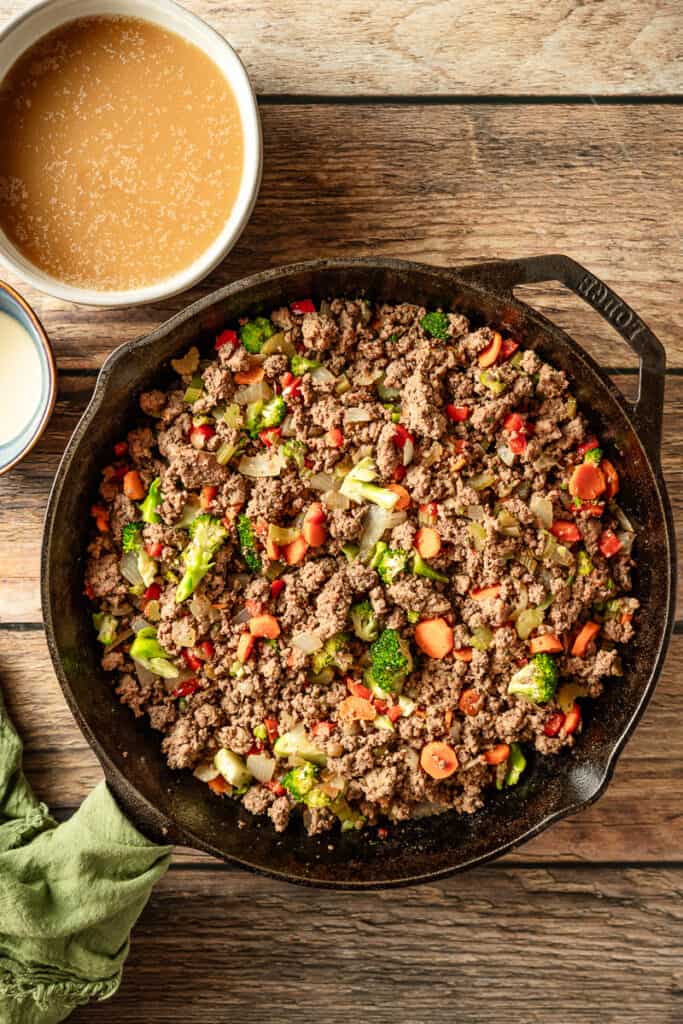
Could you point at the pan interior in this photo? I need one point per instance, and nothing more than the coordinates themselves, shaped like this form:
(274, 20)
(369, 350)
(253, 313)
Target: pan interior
(174, 803)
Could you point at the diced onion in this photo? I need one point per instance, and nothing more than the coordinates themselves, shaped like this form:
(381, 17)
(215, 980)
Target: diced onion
(333, 499)
(138, 624)
(253, 393)
(205, 771)
(626, 540)
(363, 452)
(288, 428)
(129, 569)
(202, 608)
(506, 455)
(480, 481)
(622, 518)
(145, 676)
(542, 508)
(183, 633)
(377, 521)
(321, 375)
(527, 621)
(309, 643)
(262, 465)
(475, 512)
(324, 482)
(261, 767)
(408, 452)
(357, 414)
(242, 616)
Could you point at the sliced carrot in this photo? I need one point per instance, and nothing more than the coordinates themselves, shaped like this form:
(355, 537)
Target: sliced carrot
(470, 702)
(439, 760)
(548, 643)
(434, 637)
(587, 482)
(463, 654)
(314, 529)
(492, 351)
(253, 375)
(625, 617)
(496, 755)
(335, 438)
(427, 542)
(133, 486)
(611, 477)
(245, 646)
(207, 496)
(218, 785)
(358, 690)
(485, 593)
(264, 625)
(584, 637)
(357, 709)
(572, 720)
(403, 497)
(295, 552)
(272, 550)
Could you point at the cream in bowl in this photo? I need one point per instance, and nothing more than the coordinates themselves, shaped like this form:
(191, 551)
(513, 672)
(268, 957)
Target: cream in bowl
(131, 157)
(28, 376)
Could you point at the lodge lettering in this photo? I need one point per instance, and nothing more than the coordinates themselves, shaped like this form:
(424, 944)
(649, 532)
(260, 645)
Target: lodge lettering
(614, 310)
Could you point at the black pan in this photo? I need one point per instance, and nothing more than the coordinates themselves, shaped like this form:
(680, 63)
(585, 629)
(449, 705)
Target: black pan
(174, 805)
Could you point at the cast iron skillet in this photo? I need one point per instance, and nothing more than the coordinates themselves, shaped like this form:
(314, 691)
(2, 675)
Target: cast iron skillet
(174, 805)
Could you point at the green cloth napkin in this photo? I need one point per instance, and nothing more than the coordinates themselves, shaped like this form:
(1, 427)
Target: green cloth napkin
(69, 895)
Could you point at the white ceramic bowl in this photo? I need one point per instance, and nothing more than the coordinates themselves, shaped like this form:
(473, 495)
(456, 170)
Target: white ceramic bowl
(29, 27)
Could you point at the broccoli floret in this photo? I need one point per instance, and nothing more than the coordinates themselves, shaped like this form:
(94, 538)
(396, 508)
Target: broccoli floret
(255, 333)
(106, 626)
(333, 655)
(149, 505)
(593, 455)
(252, 419)
(207, 534)
(435, 325)
(349, 818)
(273, 413)
(584, 565)
(296, 451)
(536, 681)
(131, 536)
(421, 568)
(247, 540)
(300, 781)
(389, 562)
(364, 621)
(147, 650)
(317, 797)
(300, 365)
(391, 661)
(358, 485)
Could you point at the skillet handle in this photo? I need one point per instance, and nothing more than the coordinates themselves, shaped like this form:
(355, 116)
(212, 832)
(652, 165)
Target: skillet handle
(648, 407)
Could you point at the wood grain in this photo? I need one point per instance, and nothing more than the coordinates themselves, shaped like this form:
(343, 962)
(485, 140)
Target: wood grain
(348, 48)
(494, 944)
(639, 819)
(24, 492)
(448, 185)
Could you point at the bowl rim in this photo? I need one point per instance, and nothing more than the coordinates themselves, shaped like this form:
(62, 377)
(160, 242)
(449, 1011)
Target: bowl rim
(177, 19)
(41, 336)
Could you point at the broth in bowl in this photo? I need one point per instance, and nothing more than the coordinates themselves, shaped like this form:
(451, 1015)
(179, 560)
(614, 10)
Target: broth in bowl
(123, 156)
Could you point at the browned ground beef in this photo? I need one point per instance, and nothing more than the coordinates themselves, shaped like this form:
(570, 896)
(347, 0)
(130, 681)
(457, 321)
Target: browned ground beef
(395, 394)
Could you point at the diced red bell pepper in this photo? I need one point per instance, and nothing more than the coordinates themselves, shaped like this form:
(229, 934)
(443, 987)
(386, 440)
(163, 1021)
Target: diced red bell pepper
(186, 688)
(292, 387)
(276, 588)
(120, 449)
(587, 446)
(358, 690)
(120, 472)
(554, 724)
(271, 729)
(382, 833)
(275, 787)
(207, 649)
(513, 422)
(155, 549)
(572, 720)
(153, 592)
(517, 444)
(322, 729)
(270, 436)
(394, 713)
(208, 493)
(565, 531)
(200, 435)
(89, 592)
(590, 509)
(226, 338)
(399, 474)
(302, 306)
(508, 348)
(458, 413)
(335, 437)
(431, 509)
(191, 660)
(609, 543)
(381, 706)
(255, 748)
(401, 435)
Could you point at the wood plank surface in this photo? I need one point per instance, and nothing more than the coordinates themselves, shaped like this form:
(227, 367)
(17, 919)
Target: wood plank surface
(449, 185)
(24, 492)
(640, 818)
(535, 945)
(442, 47)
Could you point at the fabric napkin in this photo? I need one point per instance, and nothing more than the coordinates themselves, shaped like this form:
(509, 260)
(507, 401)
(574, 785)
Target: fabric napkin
(69, 895)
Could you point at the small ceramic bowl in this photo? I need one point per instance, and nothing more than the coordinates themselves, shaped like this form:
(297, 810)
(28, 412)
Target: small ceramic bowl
(13, 451)
(41, 18)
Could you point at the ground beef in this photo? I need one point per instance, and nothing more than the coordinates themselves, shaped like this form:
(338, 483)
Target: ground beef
(276, 633)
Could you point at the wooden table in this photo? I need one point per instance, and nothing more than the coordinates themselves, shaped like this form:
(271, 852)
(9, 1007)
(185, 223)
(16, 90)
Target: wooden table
(443, 131)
